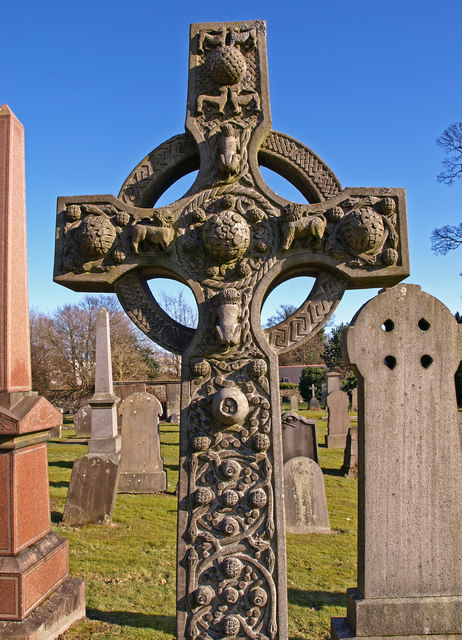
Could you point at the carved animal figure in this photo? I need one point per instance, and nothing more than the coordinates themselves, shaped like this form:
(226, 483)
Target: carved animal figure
(227, 324)
(294, 225)
(153, 235)
(229, 158)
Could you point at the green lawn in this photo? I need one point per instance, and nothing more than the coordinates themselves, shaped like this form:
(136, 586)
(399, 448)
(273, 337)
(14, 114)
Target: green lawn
(129, 567)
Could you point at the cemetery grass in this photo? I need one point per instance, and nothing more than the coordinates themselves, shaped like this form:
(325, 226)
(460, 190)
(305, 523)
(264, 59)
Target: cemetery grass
(129, 567)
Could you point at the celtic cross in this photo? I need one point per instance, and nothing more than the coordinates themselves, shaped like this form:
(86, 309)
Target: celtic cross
(231, 239)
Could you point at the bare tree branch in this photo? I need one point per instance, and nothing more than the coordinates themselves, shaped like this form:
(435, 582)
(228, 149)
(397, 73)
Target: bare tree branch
(446, 238)
(451, 143)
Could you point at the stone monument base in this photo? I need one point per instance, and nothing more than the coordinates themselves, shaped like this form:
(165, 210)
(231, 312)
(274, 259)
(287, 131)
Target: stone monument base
(419, 617)
(64, 607)
(149, 482)
(335, 441)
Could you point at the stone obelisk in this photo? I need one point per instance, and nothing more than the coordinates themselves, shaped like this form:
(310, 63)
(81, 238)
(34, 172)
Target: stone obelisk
(33, 560)
(94, 481)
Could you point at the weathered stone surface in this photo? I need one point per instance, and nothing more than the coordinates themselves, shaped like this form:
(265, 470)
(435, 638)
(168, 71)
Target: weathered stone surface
(65, 606)
(92, 491)
(231, 239)
(324, 392)
(338, 421)
(305, 497)
(298, 437)
(141, 465)
(405, 346)
(82, 422)
(350, 457)
(294, 403)
(122, 391)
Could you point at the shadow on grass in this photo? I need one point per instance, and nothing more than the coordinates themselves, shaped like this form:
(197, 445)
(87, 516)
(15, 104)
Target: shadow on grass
(56, 517)
(59, 484)
(167, 624)
(64, 464)
(332, 472)
(316, 599)
(171, 467)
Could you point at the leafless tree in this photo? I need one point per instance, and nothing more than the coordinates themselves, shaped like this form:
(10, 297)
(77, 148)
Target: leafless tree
(177, 308)
(448, 237)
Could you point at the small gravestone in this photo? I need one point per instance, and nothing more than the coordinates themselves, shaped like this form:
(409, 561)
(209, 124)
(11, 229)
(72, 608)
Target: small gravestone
(338, 421)
(354, 399)
(141, 466)
(405, 346)
(172, 396)
(305, 497)
(323, 393)
(174, 418)
(293, 403)
(93, 486)
(82, 422)
(298, 437)
(122, 391)
(56, 432)
(350, 457)
(314, 404)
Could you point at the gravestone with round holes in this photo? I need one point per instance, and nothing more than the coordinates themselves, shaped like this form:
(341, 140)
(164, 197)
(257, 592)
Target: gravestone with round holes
(405, 346)
(231, 239)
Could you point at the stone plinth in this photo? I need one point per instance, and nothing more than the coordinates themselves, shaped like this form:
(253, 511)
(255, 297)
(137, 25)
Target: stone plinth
(305, 497)
(298, 437)
(314, 404)
(333, 382)
(338, 421)
(141, 465)
(405, 346)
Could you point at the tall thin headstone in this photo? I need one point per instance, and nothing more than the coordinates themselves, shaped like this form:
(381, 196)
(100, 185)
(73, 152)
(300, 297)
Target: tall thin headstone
(141, 465)
(338, 421)
(293, 403)
(33, 559)
(230, 238)
(405, 346)
(94, 480)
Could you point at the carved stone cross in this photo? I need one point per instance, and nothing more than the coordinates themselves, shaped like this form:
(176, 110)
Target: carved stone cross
(231, 239)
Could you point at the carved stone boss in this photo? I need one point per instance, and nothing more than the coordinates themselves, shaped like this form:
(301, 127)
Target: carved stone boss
(231, 240)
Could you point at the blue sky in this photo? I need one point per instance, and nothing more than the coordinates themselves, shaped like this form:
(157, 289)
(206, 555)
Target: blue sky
(368, 85)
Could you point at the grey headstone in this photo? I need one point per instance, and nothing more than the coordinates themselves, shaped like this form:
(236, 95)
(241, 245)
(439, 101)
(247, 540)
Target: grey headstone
(314, 404)
(91, 496)
(305, 497)
(82, 422)
(141, 465)
(354, 399)
(333, 382)
(174, 418)
(410, 476)
(324, 392)
(173, 390)
(338, 421)
(294, 403)
(350, 457)
(298, 437)
(122, 391)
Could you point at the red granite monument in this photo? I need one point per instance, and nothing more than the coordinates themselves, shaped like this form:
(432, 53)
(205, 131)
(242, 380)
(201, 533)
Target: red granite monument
(33, 560)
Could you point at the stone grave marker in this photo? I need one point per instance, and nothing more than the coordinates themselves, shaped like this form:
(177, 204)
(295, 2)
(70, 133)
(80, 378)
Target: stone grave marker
(333, 382)
(33, 560)
(338, 421)
(350, 457)
(410, 469)
(293, 403)
(122, 391)
(94, 480)
(305, 497)
(229, 239)
(82, 422)
(141, 465)
(298, 437)
(172, 397)
(324, 392)
(314, 404)
(354, 399)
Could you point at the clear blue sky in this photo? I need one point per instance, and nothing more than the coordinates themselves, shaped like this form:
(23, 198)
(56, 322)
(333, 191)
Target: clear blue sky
(368, 85)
